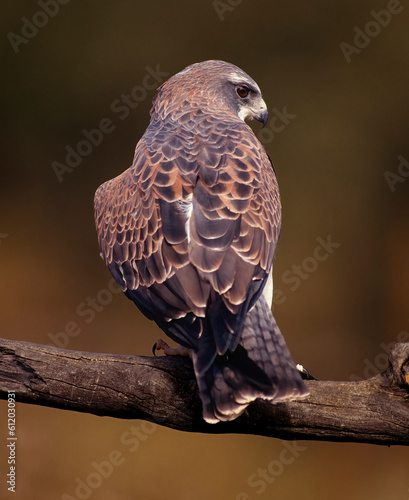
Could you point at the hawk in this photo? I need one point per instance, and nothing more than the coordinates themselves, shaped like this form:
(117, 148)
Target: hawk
(189, 233)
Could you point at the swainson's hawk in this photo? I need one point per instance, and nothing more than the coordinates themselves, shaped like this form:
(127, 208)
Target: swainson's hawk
(189, 233)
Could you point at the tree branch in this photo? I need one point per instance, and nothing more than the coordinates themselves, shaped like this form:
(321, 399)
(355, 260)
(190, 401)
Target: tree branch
(164, 390)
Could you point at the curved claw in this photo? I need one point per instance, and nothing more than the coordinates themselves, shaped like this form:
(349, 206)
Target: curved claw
(305, 374)
(154, 348)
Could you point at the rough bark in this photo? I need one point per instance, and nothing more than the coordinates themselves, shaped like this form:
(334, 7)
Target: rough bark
(164, 390)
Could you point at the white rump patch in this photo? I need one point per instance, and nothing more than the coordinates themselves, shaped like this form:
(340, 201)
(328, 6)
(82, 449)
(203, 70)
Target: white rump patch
(186, 206)
(268, 289)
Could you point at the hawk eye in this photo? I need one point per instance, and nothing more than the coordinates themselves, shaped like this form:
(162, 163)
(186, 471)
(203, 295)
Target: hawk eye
(242, 92)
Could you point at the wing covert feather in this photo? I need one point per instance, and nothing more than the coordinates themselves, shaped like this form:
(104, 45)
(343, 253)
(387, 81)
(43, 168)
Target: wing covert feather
(199, 209)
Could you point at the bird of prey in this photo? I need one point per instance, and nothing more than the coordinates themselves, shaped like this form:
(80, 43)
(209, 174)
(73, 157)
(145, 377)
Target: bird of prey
(189, 233)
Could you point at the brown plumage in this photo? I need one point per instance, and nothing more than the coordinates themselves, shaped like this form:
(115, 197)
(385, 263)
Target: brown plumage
(189, 233)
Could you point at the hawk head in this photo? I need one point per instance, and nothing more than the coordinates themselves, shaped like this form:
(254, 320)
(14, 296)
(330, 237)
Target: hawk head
(217, 86)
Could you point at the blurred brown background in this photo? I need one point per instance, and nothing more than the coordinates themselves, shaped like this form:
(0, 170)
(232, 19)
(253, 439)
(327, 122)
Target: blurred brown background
(345, 125)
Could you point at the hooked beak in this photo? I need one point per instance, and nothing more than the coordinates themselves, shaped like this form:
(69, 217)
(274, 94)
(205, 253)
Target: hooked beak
(262, 116)
(258, 112)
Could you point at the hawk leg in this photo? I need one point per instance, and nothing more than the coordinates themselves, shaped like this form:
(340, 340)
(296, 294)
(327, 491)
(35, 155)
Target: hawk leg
(170, 351)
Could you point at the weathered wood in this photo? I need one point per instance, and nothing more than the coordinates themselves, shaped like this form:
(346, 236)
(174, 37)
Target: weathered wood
(164, 391)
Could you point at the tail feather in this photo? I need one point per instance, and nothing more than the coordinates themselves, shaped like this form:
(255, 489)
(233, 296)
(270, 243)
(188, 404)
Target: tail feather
(260, 367)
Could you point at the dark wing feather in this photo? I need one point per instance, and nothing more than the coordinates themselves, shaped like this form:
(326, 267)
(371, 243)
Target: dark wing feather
(142, 234)
(234, 229)
(190, 229)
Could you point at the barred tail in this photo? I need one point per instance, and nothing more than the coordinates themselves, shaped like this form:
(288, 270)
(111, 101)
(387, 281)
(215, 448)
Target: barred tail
(260, 367)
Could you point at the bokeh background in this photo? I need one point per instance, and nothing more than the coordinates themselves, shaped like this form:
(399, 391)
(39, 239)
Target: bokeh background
(337, 160)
